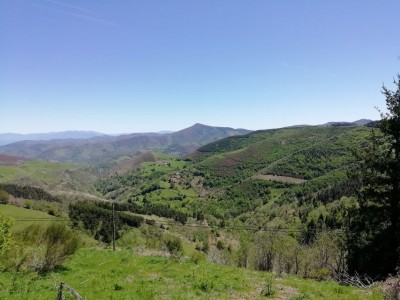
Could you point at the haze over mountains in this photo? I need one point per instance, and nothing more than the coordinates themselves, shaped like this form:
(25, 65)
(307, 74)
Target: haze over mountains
(8, 138)
(103, 147)
(90, 146)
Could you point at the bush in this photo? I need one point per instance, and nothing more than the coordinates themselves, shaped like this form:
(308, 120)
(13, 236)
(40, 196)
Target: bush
(42, 249)
(5, 233)
(4, 196)
(197, 257)
(220, 245)
(319, 274)
(174, 246)
(268, 290)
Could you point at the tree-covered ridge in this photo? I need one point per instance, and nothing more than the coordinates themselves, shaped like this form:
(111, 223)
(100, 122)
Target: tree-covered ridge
(199, 186)
(28, 192)
(98, 220)
(306, 152)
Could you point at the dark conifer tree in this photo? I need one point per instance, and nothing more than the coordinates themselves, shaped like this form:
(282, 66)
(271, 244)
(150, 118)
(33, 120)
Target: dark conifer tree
(374, 228)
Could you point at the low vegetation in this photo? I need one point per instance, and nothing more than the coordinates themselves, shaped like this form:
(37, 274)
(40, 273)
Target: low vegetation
(101, 274)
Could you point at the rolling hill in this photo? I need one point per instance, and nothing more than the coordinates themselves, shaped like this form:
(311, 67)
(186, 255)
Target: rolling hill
(243, 175)
(304, 152)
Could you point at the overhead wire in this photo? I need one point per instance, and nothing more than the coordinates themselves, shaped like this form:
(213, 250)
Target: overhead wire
(205, 226)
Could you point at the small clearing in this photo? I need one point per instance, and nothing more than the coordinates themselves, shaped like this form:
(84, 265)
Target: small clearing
(284, 179)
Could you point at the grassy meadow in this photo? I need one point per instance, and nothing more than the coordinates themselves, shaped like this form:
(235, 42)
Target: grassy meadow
(24, 217)
(102, 274)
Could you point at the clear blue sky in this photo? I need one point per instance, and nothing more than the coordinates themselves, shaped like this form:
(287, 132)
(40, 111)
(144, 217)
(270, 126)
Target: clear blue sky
(135, 66)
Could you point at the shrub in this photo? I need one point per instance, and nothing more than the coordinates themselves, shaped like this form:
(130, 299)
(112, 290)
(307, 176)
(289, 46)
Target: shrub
(197, 257)
(206, 247)
(43, 249)
(220, 245)
(319, 274)
(174, 246)
(268, 289)
(4, 196)
(5, 233)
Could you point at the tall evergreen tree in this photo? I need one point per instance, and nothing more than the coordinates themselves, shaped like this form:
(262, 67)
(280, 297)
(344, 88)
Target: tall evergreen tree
(374, 227)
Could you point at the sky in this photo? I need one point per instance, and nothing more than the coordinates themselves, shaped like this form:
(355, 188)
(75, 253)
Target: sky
(150, 65)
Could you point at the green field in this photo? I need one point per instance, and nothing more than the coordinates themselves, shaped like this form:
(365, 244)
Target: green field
(40, 170)
(102, 274)
(50, 175)
(24, 217)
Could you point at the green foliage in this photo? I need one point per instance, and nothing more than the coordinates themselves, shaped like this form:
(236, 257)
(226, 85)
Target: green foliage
(174, 245)
(268, 289)
(41, 249)
(306, 152)
(4, 196)
(374, 228)
(6, 239)
(115, 182)
(28, 192)
(97, 219)
(59, 242)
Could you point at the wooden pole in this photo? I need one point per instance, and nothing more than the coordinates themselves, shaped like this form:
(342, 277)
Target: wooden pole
(113, 223)
(60, 295)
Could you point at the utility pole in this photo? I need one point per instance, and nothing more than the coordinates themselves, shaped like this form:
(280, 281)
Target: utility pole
(113, 224)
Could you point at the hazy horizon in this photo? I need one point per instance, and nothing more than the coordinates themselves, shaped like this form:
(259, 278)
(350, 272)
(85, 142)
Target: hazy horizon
(138, 66)
(162, 131)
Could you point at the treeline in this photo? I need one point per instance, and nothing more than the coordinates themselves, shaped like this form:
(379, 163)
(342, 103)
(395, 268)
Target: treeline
(327, 194)
(337, 191)
(279, 251)
(97, 219)
(116, 182)
(28, 192)
(158, 209)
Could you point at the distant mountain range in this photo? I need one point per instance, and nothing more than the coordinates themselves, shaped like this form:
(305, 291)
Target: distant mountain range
(92, 147)
(8, 138)
(102, 147)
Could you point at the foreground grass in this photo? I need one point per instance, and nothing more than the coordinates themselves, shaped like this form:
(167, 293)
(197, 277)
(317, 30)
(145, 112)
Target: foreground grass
(102, 274)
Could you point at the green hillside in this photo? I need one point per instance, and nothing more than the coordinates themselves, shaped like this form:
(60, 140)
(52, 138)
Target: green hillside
(50, 175)
(306, 153)
(24, 217)
(257, 178)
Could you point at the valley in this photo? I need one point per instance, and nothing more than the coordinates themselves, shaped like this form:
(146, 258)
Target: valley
(221, 203)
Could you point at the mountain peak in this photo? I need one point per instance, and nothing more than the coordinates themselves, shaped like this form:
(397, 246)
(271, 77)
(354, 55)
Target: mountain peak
(199, 125)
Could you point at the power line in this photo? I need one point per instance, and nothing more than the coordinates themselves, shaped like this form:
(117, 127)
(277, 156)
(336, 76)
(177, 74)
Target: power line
(40, 220)
(231, 227)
